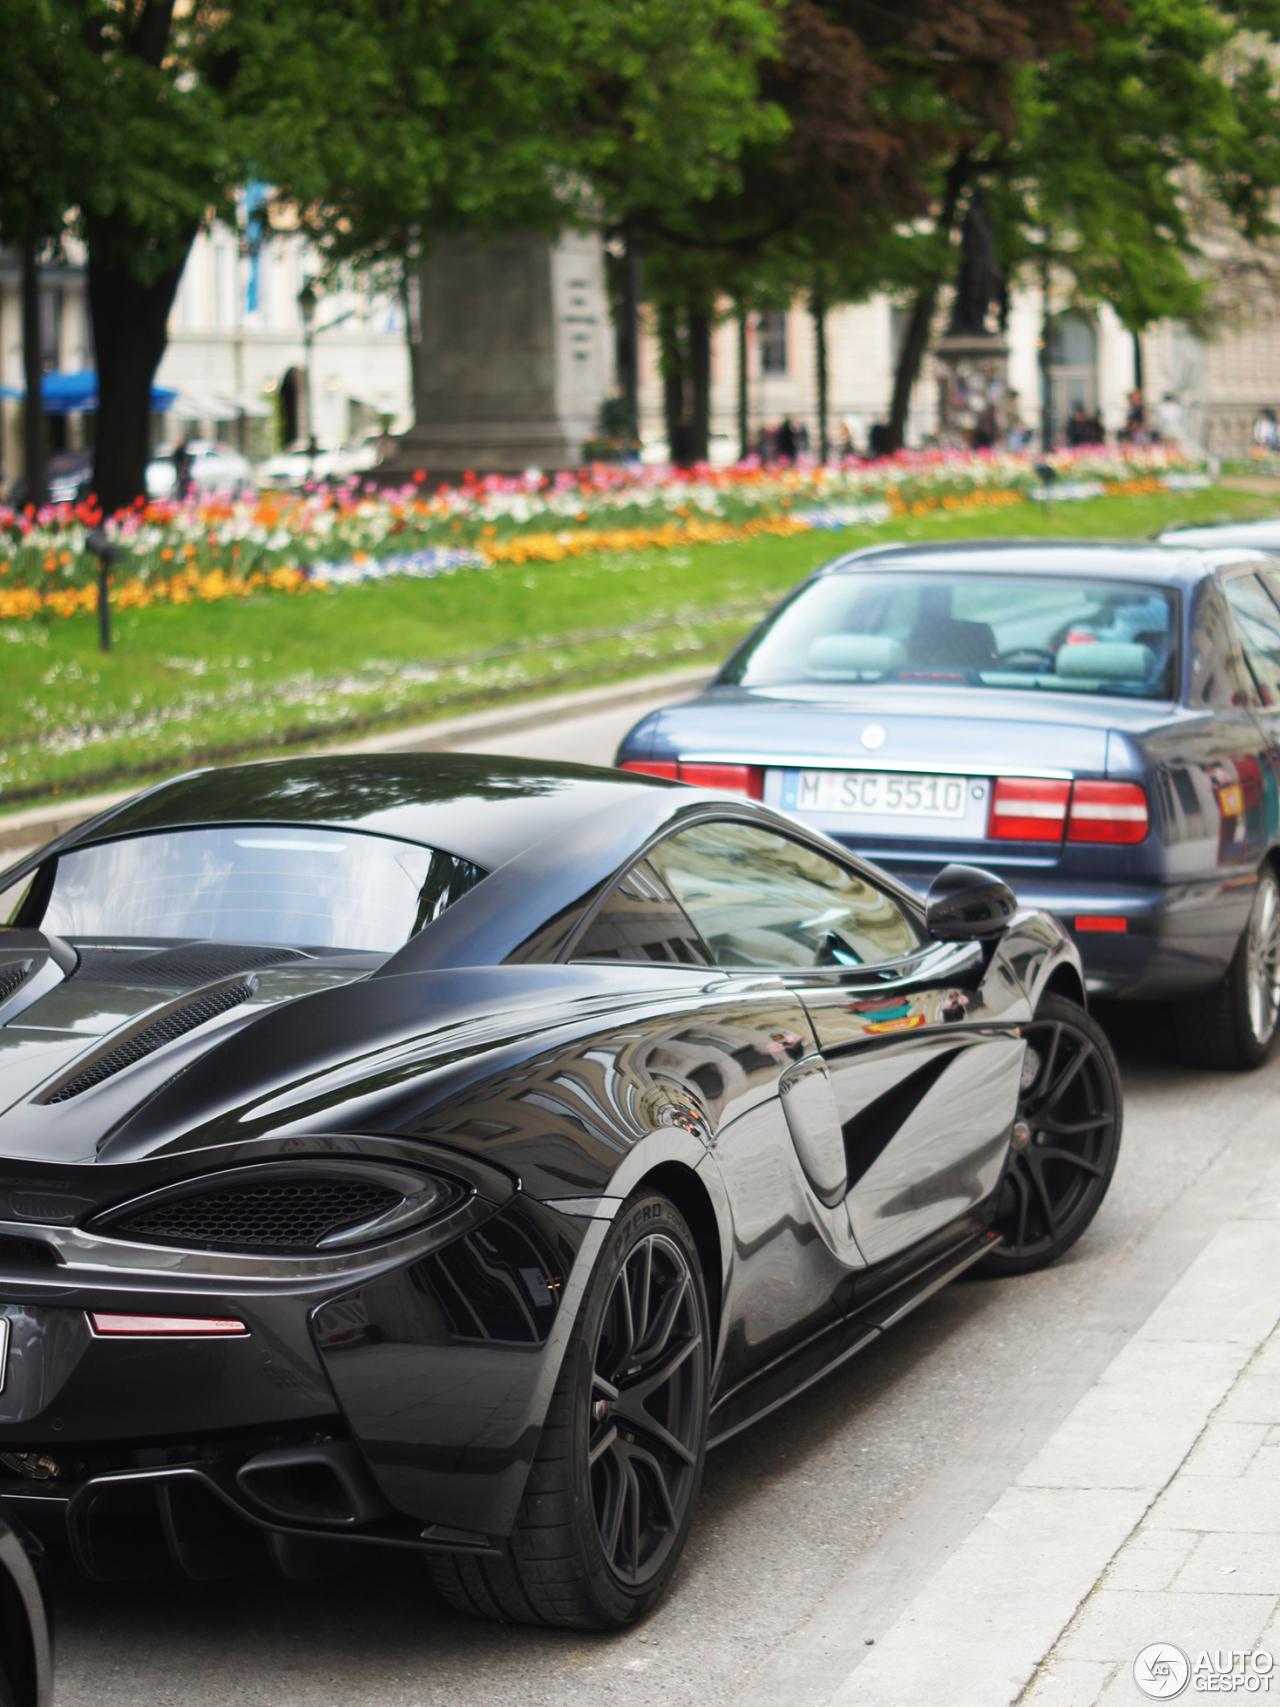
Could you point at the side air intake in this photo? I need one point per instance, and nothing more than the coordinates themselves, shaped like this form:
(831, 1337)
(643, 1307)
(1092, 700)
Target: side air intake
(176, 1023)
(12, 976)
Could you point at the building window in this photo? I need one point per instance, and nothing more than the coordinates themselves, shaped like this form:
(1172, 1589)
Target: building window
(1073, 369)
(772, 332)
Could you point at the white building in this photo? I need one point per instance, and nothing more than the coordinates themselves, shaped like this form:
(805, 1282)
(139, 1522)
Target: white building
(238, 361)
(238, 351)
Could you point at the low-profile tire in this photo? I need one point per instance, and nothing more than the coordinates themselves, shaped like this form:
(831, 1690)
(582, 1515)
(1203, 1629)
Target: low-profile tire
(1236, 1025)
(1065, 1142)
(611, 1493)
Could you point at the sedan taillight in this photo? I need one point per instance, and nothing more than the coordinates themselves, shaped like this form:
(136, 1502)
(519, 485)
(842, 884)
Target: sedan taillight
(1031, 809)
(736, 779)
(1028, 809)
(1108, 812)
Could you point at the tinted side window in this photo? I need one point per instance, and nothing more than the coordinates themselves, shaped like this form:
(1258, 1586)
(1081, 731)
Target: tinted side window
(639, 924)
(763, 900)
(1216, 669)
(1258, 621)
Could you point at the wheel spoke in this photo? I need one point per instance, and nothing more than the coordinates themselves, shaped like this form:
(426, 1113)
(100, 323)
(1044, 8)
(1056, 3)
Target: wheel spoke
(1065, 1078)
(610, 1521)
(1047, 1154)
(605, 1443)
(633, 1506)
(661, 1331)
(1042, 1192)
(636, 1417)
(606, 1387)
(640, 1456)
(645, 1254)
(1073, 1128)
(1019, 1182)
(1045, 1075)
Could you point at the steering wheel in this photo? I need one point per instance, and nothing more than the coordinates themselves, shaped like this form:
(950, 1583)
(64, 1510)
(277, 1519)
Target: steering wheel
(1030, 659)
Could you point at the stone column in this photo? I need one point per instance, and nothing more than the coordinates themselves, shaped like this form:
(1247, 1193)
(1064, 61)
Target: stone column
(512, 358)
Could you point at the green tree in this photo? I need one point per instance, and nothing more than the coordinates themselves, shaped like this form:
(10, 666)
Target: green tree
(1113, 131)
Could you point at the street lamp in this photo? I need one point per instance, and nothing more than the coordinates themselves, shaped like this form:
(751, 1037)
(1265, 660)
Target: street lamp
(307, 300)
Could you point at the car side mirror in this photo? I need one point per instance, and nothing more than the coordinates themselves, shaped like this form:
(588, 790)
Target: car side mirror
(967, 904)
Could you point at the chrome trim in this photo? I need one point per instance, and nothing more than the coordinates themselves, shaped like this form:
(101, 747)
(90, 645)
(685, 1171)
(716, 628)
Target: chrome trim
(791, 761)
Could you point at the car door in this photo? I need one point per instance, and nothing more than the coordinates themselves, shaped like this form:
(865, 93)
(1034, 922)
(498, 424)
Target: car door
(1254, 599)
(904, 1110)
(728, 1052)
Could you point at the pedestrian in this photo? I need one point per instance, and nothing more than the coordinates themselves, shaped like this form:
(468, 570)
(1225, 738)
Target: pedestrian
(785, 441)
(878, 440)
(1134, 431)
(986, 429)
(183, 462)
(1077, 424)
(1266, 434)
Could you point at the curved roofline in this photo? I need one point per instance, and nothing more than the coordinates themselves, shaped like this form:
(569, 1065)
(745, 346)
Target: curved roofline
(1147, 559)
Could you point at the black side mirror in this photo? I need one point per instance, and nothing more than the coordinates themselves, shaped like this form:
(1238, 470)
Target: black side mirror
(967, 904)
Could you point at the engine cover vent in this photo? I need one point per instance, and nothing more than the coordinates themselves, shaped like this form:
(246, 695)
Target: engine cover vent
(12, 976)
(145, 1042)
(191, 964)
(281, 1215)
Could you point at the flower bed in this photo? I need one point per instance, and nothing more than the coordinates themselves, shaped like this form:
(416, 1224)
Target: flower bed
(202, 550)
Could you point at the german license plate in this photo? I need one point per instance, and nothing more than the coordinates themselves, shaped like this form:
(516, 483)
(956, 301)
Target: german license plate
(885, 793)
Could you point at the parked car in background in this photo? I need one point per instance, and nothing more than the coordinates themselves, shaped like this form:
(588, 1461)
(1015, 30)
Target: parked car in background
(26, 1655)
(1257, 536)
(1097, 723)
(214, 470)
(295, 468)
(68, 475)
(441, 1152)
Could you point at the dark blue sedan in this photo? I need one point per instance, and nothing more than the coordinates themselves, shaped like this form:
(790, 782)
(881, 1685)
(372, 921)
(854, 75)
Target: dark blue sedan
(1099, 723)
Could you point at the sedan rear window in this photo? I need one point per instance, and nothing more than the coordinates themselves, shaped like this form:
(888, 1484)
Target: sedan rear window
(995, 631)
(263, 884)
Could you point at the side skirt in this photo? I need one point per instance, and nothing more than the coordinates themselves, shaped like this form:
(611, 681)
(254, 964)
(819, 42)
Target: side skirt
(800, 1367)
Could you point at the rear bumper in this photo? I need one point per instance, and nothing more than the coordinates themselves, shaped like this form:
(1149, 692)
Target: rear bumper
(1137, 941)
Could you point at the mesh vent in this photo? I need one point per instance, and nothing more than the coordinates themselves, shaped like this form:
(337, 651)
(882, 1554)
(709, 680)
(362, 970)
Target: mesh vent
(11, 977)
(176, 968)
(284, 1215)
(151, 1037)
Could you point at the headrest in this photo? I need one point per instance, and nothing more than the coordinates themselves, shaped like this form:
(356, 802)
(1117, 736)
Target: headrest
(832, 656)
(1106, 661)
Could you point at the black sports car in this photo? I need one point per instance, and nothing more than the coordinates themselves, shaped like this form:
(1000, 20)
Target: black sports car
(26, 1657)
(442, 1153)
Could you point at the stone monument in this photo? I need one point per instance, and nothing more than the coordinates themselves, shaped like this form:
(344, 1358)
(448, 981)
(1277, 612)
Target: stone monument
(512, 354)
(973, 357)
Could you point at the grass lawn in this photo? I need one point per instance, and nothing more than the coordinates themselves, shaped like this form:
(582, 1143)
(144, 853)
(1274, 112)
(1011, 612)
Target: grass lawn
(188, 683)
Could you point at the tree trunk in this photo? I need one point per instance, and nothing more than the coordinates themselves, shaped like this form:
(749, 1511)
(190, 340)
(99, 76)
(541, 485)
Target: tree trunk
(1139, 384)
(818, 310)
(130, 331)
(1046, 333)
(631, 340)
(700, 377)
(672, 359)
(744, 397)
(919, 326)
(33, 436)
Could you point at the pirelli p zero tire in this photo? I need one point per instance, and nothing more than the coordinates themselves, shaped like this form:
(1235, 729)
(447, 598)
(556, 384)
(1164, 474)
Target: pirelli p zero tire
(1066, 1137)
(1236, 1024)
(612, 1489)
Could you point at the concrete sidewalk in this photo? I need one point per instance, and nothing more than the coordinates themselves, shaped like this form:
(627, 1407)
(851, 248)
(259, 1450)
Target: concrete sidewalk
(1149, 1516)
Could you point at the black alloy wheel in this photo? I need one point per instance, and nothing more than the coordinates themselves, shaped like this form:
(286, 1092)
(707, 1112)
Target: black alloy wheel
(611, 1493)
(1066, 1137)
(1236, 1024)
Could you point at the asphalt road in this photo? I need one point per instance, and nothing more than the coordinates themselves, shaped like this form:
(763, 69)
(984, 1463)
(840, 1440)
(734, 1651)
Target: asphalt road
(863, 1481)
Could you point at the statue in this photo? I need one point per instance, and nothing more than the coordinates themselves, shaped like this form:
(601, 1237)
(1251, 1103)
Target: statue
(981, 285)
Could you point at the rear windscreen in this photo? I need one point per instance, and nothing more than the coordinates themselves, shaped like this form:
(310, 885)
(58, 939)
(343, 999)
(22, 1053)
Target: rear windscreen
(996, 631)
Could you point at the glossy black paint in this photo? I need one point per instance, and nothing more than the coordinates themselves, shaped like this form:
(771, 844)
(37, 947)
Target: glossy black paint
(834, 1138)
(1209, 760)
(26, 1649)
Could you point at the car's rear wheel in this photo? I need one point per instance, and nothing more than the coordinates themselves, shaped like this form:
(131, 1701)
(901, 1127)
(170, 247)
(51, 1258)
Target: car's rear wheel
(611, 1493)
(1236, 1024)
(1066, 1138)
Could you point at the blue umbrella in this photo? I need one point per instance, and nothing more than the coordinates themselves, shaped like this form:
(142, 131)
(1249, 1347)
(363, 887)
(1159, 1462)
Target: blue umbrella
(72, 393)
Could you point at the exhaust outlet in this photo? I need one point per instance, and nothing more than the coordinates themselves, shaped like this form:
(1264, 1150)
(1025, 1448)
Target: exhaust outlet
(328, 1485)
